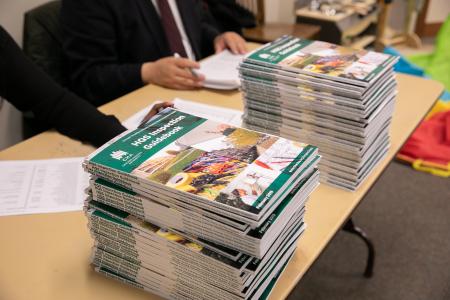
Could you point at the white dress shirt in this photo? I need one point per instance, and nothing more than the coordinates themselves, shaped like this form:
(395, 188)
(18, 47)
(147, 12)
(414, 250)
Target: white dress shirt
(176, 15)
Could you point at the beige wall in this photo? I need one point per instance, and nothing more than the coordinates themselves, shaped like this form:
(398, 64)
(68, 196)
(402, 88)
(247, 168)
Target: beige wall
(11, 18)
(10, 125)
(282, 11)
(438, 10)
(11, 15)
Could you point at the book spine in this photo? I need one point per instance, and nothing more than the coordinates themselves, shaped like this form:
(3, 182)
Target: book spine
(305, 103)
(132, 202)
(147, 209)
(155, 289)
(139, 274)
(123, 179)
(137, 271)
(133, 239)
(167, 217)
(276, 78)
(128, 202)
(176, 268)
(170, 267)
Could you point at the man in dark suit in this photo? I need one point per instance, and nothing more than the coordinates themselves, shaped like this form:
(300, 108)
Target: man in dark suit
(116, 46)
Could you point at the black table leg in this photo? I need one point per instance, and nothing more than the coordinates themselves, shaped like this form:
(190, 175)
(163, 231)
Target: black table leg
(351, 228)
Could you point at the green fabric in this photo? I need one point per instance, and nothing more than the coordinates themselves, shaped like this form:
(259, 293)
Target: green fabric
(437, 64)
(421, 60)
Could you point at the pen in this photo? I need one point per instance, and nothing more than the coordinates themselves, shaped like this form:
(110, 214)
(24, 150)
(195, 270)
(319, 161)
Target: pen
(176, 55)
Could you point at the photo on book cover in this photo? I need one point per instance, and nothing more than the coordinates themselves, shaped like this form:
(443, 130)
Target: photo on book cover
(325, 58)
(322, 58)
(218, 161)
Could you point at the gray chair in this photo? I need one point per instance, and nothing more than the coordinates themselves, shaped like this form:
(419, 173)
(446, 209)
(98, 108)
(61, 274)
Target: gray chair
(42, 43)
(42, 39)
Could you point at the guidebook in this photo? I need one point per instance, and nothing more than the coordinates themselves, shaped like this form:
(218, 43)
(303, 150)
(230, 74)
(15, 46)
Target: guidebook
(205, 162)
(336, 98)
(251, 241)
(323, 60)
(190, 208)
(137, 249)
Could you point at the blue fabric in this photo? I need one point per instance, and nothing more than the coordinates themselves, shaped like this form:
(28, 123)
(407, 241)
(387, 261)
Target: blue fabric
(405, 66)
(446, 96)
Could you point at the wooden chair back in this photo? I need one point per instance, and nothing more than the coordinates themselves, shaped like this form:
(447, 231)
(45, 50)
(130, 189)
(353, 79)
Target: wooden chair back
(256, 7)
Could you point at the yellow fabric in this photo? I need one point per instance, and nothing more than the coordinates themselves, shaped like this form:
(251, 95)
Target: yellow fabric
(441, 171)
(440, 106)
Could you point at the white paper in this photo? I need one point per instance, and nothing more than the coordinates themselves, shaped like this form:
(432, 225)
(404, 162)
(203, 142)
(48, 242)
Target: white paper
(42, 186)
(221, 70)
(223, 115)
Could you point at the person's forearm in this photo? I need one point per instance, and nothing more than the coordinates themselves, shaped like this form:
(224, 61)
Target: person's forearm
(147, 72)
(29, 89)
(76, 118)
(21, 82)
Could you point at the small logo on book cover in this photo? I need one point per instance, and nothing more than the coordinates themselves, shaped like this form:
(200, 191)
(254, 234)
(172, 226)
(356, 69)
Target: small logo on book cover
(119, 154)
(264, 55)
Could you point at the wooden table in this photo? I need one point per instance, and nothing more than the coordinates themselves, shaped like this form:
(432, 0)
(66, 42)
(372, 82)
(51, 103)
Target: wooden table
(269, 32)
(45, 257)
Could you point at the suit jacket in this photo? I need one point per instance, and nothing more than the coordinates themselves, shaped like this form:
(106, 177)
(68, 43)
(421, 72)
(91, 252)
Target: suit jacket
(107, 41)
(28, 88)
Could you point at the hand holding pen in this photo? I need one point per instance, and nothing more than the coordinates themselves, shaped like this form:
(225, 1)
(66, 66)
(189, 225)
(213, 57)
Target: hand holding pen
(176, 55)
(173, 72)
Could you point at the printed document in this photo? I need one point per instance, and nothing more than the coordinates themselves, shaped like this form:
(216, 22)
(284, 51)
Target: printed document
(42, 186)
(225, 115)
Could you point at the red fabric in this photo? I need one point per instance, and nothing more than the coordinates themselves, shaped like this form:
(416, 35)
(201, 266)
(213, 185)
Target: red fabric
(171, 29)
(431, 140)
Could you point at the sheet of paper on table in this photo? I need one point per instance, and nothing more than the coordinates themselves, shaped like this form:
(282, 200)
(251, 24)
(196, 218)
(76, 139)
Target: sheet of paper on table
(224, 115)
(42, 186)
(221, 71)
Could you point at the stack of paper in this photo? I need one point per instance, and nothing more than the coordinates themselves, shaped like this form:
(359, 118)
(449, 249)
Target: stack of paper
(41, 186)
(215, 113)
(189, 208)
(336, 98)
(220, 70)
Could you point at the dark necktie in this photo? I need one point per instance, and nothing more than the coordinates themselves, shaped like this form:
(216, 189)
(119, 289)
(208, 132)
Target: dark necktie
(170, 28)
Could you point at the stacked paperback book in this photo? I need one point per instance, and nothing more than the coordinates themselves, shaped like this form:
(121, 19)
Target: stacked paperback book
(189, 208)
(336, 98)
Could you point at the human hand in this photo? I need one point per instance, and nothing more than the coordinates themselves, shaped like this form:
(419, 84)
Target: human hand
(232, 41)
(172, 72)
(155, 109)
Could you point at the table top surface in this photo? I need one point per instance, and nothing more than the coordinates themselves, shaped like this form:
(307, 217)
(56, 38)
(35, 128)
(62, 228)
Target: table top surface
(47, 255)
(271, 31)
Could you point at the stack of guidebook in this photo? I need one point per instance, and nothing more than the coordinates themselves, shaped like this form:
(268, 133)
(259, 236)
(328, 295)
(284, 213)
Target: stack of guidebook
(189, 208)
(336, 98)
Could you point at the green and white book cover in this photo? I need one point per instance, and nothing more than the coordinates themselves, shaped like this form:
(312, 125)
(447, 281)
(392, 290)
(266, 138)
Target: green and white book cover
(323, 59)
(215, 162)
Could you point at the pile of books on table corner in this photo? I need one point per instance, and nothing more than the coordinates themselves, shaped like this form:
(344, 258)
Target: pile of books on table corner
(336, 98)
(189, 208)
